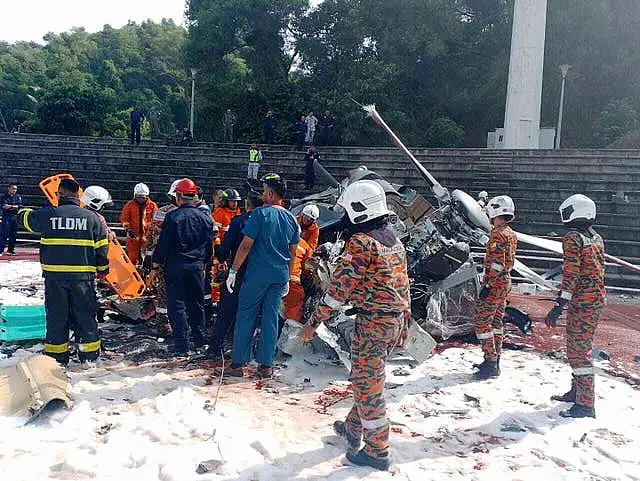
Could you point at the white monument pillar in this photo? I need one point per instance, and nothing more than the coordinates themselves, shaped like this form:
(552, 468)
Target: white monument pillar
(524, 90)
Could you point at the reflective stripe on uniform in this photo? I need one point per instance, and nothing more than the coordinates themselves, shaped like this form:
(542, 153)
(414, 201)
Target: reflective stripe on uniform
(331, 302)
(161, 310)
(497, 267)
(67, 242)
(374, 423)
(89, 346)
(102, 268)
(566, 295)
(583, 371)
(56, 348)
(101, 243)
(26, 220)
(207, 297)
(484, 335)
(300, 248)
(225, 229)
(294, 278)
(66, 268)
(498, 331)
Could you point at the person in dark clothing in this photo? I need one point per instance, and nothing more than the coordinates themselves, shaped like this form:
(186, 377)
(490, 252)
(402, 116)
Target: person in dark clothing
(309, 172)
(228, 306)
(73, 250)
(136, 121)
(184, 247)
(10, 203)
(301, 132)
(327, 128)
(270, 127)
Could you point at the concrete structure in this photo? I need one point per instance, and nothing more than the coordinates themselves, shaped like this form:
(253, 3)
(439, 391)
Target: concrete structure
(495, 138)
(524, 90)
(538, 180)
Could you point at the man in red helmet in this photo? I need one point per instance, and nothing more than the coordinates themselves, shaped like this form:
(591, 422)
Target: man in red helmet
(184, 247)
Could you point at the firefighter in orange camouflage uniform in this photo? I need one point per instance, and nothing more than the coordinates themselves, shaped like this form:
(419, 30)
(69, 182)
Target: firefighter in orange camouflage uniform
(496, 285)
(583, 290)
(372, 277)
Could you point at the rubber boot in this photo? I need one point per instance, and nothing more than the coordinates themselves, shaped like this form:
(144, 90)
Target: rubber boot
(579, 411)
(340, 428)
(483, 363)
(568, 397)
(489, 370)
(360, 458)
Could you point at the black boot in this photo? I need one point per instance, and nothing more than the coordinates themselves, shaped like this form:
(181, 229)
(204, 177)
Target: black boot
(579, 411)
(568, 397)
(340, 428)
(483, 363)
(488, 369)
(360, 458)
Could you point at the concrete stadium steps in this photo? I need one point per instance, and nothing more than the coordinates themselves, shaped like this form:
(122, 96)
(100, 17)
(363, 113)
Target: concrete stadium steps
(537, 180)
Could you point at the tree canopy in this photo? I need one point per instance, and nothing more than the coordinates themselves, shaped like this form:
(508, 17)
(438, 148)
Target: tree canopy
(437, 69)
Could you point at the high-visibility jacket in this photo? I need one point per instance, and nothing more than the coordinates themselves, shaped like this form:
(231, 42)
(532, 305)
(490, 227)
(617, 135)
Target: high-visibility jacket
(303, 254)
(73, 241)
(137, 217)
(222, 217)
(310, 233)
(255, 155)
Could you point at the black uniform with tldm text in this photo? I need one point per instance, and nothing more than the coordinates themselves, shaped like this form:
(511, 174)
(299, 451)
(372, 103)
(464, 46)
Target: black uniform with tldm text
(73, 248)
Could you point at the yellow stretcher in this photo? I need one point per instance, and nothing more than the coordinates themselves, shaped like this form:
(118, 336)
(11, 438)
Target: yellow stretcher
(123, 276)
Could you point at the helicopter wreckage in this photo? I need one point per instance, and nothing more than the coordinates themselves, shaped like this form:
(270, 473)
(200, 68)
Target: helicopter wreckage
(438, 237)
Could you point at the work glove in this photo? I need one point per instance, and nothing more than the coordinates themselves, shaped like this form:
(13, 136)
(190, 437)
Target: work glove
(131, 234)
(555, 312)
(484, 292)
(231, 280)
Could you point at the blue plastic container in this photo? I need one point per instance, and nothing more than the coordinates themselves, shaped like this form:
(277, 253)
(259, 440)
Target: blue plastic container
(22, 323)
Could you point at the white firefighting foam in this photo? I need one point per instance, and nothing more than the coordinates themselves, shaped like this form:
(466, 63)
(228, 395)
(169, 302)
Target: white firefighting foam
(155, 422)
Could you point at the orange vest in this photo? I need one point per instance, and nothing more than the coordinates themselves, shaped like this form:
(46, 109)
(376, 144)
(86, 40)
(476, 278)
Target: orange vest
(222, 217)
(303, 253)
(138, 217)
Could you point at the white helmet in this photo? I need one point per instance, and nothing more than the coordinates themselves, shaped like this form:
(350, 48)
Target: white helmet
(364, 200)
(577, 206)
(311, 211)
(501, 205)
(172, 189)
(141, 189)
(96, 197)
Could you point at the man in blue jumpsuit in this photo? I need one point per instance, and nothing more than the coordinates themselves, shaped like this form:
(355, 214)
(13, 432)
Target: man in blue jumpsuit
(228, 306)
(270, 241)
(184, 247)
(10, 204)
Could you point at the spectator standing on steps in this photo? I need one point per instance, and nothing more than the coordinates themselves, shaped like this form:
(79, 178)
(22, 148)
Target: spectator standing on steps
(301, 132)
(309, 171)
(10, 203)
(327, 128)
(311, 121)
(229, 125)
(136, 121)
(154, 121)
(270, 122)
(255, 157)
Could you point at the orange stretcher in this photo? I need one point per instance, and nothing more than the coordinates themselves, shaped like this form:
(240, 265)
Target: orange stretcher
(123, 276)
(49, 187)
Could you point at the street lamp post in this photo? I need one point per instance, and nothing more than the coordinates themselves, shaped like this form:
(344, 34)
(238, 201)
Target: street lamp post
(194, 71)
(564, 69)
